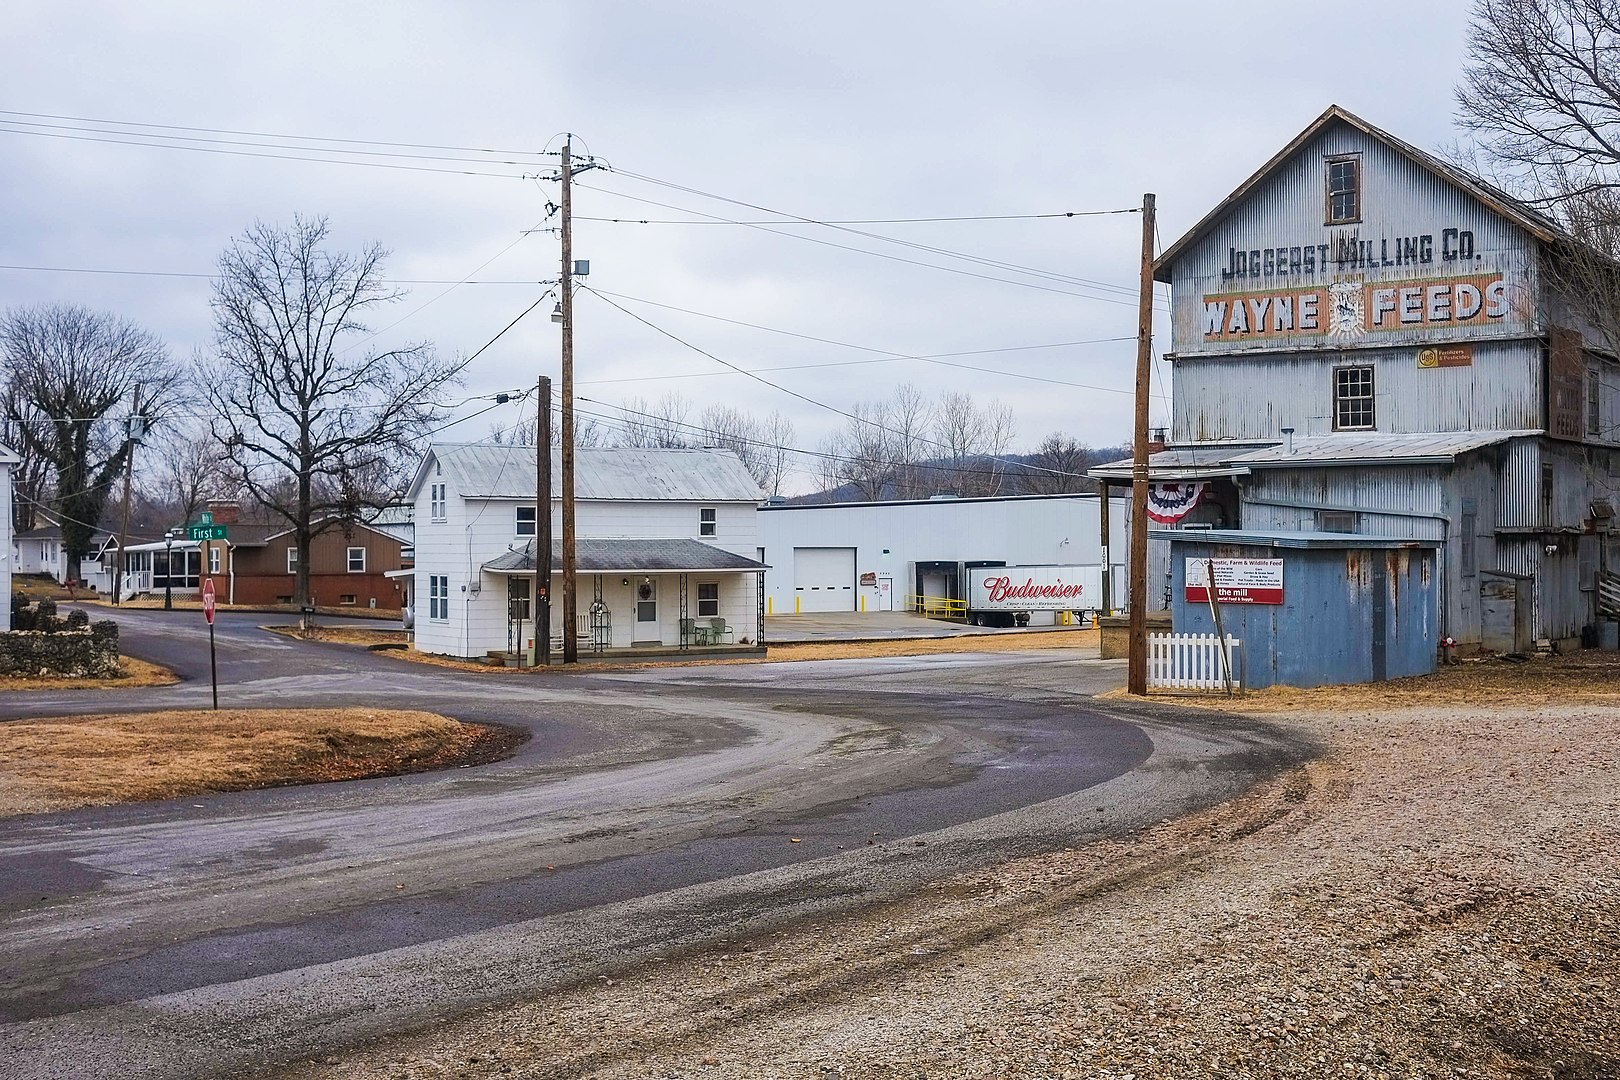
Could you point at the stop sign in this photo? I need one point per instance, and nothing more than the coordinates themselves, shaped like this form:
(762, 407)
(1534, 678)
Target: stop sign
(208, 600)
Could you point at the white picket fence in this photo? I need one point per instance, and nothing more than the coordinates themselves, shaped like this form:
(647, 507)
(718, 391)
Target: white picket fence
(1189, 662)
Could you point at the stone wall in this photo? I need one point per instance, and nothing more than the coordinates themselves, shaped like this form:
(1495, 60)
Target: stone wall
(71, 648)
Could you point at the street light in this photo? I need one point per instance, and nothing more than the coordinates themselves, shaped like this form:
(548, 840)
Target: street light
(168, 570)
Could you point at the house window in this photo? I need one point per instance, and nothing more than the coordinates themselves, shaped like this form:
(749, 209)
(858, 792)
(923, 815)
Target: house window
(1594, 413)
(436, 501)
(213, 559)
(708, 598)
(1336, 521)
(357, 560)
(438, 597)
(707, 517)
(347, 599)
(1343, 190)
(1352, 398)
(525, 521)
(292, 560)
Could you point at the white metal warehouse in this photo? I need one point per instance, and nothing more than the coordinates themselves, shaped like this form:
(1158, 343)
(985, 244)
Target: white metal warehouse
(876, 556)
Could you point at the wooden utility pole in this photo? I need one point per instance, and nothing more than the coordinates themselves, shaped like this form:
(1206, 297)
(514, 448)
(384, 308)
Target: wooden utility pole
(1136, 681)
(569, 563)
(542, 525)
(129, 470)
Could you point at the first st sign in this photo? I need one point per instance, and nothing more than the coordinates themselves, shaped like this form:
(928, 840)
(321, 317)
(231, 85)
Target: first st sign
(205, 532)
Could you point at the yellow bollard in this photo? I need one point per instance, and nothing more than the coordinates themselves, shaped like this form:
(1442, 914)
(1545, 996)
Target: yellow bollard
(863, 605)
(769, 603)
(796, 605)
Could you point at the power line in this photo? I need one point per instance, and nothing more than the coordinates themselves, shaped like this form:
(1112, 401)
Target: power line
(859, 221)
(783, 389)
(251, 154)
(882, 255)
(271, 135)
(215, 277)
(887, 355)
(1015, 267)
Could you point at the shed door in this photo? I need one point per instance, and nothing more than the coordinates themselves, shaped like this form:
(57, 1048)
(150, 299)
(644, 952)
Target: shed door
(1500, 600)
(824, 578)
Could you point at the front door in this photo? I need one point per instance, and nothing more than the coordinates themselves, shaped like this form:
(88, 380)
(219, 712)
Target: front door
(647, 611)
(885, 592)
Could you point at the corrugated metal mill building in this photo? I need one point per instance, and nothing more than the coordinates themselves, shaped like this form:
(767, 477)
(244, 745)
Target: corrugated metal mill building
(1368, 340)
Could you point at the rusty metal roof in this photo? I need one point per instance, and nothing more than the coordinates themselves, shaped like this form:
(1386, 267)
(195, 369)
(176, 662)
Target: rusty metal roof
(1374, 448)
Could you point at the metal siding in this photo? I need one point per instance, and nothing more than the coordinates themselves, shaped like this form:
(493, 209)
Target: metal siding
(1520, 488)
(1253, 397)
(1399, 198)
(1323, 634)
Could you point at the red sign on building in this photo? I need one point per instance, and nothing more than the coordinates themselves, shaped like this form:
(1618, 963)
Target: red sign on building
(1237, 581)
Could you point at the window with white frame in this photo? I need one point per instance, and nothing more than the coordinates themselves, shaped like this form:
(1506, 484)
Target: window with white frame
(436, 501)
(213, 559)
(707, 519)
(525, 521)
(357, 560)
(1343, 189)
(292, 560)
(708, 598)
(1353, 399)
(438, 596)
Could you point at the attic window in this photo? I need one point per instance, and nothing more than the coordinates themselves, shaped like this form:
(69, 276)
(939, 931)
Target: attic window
(1343, 189)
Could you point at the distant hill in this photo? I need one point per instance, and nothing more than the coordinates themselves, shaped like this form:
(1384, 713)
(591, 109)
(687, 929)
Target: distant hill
(937, 478)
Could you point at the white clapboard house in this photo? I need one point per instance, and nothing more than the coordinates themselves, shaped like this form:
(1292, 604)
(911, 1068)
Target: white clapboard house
(667, 549)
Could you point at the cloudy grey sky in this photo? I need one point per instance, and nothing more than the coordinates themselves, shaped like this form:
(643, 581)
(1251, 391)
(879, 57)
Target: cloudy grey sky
(833, 111)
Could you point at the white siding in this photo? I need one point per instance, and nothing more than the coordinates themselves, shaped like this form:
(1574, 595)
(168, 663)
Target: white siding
(5, 545)
(891, 538)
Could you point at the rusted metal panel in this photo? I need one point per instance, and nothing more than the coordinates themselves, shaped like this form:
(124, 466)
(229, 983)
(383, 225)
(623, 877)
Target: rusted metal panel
(1426, 262)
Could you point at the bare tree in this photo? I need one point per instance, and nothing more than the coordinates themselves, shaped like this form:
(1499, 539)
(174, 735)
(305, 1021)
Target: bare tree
(860, 455)
(31, 476)
(315, 425)
(67, 372)
(656, 424)
(182, 473)
(1059, 466)
(779, 434)
(1541, 92)
(970, 443)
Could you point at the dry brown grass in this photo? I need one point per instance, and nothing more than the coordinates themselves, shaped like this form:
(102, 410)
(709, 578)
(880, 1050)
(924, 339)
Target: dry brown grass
(155, 603)
(59, 763)
(1589, 677)
(806, 650)
(344, 635)
(136, 673)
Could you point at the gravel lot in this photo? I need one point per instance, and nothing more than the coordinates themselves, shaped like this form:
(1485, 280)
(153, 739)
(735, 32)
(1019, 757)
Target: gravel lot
(1437, 897)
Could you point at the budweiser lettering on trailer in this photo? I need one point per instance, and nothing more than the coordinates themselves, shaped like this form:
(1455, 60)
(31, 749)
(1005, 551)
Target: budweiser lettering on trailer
(1034, 588)
(1237, 581)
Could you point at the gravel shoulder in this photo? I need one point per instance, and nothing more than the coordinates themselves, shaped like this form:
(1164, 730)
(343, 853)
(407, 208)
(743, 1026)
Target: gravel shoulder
(1437, 896)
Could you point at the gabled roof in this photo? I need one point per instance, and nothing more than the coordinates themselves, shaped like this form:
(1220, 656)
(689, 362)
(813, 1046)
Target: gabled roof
(8, 456)
(616, 474)
(1525, 217)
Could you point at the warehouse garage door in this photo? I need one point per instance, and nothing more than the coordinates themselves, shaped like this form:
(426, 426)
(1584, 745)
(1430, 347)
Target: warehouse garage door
(824, 578)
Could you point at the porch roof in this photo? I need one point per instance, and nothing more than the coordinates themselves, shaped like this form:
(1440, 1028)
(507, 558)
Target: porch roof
(629, 556)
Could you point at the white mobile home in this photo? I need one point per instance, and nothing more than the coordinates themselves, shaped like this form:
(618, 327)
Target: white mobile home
(667, 550)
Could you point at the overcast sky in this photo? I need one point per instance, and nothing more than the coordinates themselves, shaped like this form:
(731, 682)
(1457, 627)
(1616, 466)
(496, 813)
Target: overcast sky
(834, 111)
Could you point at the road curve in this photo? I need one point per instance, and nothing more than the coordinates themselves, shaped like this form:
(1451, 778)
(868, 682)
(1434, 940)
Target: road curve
(648, 811)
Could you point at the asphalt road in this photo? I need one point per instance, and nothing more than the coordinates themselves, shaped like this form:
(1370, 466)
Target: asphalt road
(648, 811)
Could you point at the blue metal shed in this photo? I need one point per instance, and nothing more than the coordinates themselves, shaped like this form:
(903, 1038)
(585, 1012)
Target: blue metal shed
(1311, 609)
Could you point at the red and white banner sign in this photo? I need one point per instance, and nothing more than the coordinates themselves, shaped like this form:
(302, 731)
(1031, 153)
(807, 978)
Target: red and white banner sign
(1169, 503)
(1237, 581)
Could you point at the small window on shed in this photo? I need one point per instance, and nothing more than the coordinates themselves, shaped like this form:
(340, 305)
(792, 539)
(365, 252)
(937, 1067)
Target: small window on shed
(1337, 521)
(1343, 189)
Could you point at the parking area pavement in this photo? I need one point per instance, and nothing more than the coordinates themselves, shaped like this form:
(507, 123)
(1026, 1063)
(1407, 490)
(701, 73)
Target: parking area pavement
(874, 626)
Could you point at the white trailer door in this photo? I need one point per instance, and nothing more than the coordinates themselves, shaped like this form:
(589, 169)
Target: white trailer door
(824, 579)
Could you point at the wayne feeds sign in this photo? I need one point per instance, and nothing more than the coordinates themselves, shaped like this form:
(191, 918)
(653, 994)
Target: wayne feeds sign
(1237, 581)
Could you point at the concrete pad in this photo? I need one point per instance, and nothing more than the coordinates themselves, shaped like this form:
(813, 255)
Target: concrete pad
(872, 626)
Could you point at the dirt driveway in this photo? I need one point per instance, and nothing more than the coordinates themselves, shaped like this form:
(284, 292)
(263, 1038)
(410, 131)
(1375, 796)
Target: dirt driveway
(1438, 897)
